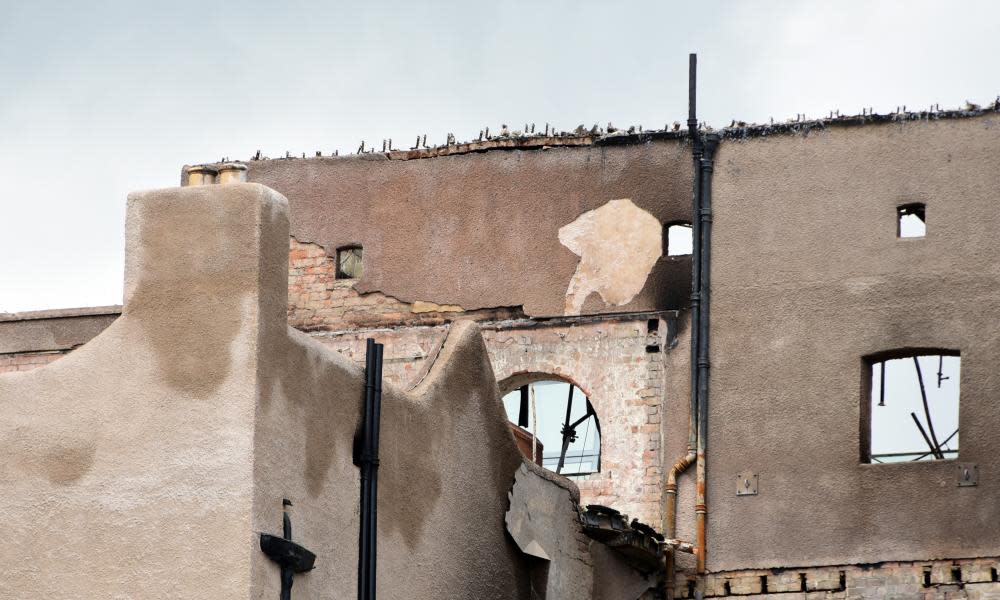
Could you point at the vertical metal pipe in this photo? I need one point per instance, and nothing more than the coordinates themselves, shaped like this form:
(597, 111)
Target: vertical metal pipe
(523, 407)
(927, 410)
(373, 477)
(881, 385)
(363, 535)
(697, 149)
(681, 465)
(287, 575)
(705, 221)
(566, 431)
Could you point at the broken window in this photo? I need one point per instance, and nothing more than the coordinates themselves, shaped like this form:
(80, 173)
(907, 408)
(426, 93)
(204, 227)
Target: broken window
(563, 421)
(677, 238)
(349, 262)
(912, 410)
(911, 220)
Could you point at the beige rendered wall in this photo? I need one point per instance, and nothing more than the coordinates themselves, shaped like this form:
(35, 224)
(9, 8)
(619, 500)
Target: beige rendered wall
(447, 463)
(53, 330)
(808, 277)
(127, 467)
(145, 463)
(483, 230)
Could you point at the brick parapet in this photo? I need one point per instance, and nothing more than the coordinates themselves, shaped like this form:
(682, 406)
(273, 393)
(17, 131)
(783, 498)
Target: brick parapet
(973, 578)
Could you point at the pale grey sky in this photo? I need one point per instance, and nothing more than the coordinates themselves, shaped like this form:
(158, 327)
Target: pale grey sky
(101, 98)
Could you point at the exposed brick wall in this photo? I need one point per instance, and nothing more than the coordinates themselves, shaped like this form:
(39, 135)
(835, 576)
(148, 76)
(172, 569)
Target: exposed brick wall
(25, 361)
(317, 300)
(409, 351)
(974, 578)
(606, 358)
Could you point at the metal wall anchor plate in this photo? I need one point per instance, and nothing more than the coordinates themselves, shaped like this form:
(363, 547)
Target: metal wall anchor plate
(746, 484)
(968, 474)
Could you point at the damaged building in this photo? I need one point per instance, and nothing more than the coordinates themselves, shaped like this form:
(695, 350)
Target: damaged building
(568, 319)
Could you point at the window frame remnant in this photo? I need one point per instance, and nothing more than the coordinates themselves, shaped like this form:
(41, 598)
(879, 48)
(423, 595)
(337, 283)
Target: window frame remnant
(874, 368)
(568, 427)
(915, 209)
(350, 262)
(666, 237)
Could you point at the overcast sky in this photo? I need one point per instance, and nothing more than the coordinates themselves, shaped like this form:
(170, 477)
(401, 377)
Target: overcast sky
(101, 98)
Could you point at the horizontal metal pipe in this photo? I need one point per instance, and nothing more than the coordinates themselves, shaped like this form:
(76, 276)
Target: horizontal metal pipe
(678, 546)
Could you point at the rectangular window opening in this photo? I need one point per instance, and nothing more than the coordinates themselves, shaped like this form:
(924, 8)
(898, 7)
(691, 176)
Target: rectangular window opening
(349, 262)
(911, 220)
(652, 325)
(677, 240)
(911, 413)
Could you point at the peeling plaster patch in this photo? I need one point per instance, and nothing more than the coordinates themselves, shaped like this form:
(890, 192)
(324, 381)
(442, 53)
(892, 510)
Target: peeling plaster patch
(419, 306)
(618, 244)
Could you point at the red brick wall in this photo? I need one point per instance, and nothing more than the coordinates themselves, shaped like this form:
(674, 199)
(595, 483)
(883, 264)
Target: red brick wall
(25, 361)
(409, 351)
(606, 358)
(317, 300)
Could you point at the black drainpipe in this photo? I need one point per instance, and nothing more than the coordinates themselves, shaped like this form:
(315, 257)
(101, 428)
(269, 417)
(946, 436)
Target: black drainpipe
(696, 153)
(685, 461)
(689, 458)
(369, 471)
(711, 142)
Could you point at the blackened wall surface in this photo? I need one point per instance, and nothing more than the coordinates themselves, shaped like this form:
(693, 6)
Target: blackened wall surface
(482, 230)
(809, 277)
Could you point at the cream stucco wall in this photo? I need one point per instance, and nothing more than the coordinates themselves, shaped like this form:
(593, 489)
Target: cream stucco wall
(146, 463)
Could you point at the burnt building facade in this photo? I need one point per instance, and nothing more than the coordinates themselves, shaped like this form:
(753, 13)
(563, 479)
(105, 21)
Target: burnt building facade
(841, 252)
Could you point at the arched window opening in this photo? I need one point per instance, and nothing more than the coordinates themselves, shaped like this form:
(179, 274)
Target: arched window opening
(912, 406)
(562, 420)
(677, 240)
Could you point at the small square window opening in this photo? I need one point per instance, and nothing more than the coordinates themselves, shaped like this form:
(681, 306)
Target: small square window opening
(349, 263)
(911, 221)
(677, 239)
